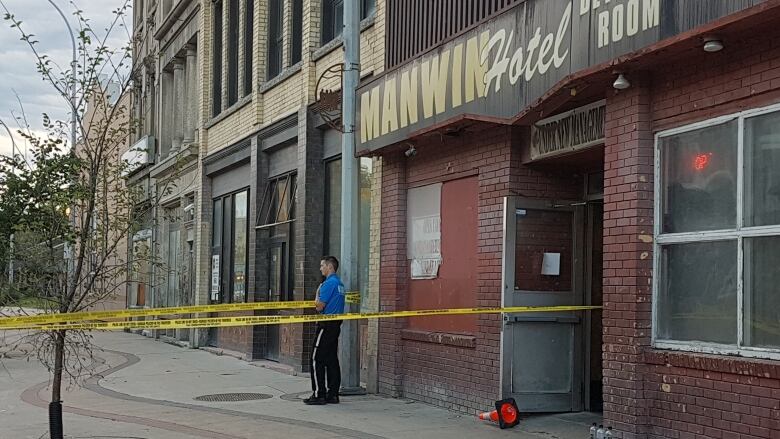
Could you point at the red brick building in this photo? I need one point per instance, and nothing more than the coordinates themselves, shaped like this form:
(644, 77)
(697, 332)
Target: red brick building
(624, 154)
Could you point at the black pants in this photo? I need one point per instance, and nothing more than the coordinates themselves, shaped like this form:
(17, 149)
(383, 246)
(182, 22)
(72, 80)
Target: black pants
(325, 359)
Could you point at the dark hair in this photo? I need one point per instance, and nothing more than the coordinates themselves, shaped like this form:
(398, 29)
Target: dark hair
(332, 261)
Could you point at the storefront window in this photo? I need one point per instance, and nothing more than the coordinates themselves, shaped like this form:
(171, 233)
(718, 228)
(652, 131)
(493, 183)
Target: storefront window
(762, 169)
(239, 247)
(333, 214)
(333, 208)
(140, 268)
(717, 236)
(229, 240)
(700, 179)
(762, 292)
(699, 294)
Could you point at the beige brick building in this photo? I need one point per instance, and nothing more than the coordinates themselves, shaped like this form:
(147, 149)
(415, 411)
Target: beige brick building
(224, 103)
(166, 154)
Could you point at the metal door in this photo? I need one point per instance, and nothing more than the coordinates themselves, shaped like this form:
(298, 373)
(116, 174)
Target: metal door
(542, 356)
(276, 284)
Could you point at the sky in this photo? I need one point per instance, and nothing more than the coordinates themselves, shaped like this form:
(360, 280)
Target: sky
(17, 69)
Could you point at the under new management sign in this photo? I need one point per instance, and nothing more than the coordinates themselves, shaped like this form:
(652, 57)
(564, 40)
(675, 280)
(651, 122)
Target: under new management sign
(502, 66)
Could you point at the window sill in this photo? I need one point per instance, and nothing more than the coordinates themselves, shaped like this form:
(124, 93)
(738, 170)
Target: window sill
(337, 42)
(442, 338)
(183, 156)
(755, 367)
(229, 111)
(281, 77)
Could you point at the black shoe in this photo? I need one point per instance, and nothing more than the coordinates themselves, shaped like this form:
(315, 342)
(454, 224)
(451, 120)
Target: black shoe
(314, 400)
(332, 399)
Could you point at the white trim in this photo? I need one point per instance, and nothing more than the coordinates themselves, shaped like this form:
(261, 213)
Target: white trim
(717, 349)
(697, 126)
(656, 278)
(738, 233)
(740, 293)
(681, 238)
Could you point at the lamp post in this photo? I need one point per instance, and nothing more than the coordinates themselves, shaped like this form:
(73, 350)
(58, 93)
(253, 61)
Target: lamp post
(350, 352)
(73, 109)
(73, 66)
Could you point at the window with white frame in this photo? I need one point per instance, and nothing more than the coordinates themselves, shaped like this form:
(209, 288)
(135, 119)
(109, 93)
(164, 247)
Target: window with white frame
(717, 285)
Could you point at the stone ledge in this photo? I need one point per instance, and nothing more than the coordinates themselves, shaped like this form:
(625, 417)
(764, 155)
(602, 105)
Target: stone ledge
(443, 338)
(337, 42)
(281, 77)
(227, 112)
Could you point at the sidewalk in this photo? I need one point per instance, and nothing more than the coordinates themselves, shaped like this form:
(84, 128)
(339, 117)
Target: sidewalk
(148, 390)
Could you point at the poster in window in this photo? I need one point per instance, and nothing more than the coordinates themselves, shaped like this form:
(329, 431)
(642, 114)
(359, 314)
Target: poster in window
(424, 231)
(214, 277)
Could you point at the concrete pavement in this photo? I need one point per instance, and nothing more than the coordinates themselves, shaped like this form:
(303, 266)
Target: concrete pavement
(147, 389)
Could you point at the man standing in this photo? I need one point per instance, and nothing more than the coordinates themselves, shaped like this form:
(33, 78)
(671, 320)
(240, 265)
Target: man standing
(324, 355)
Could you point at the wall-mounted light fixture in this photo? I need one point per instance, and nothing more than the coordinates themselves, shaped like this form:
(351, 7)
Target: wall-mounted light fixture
(411, 151)
(712, 45)
(621, 83)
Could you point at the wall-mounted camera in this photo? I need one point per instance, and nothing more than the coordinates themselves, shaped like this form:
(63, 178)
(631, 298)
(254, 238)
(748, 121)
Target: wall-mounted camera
(411, 151)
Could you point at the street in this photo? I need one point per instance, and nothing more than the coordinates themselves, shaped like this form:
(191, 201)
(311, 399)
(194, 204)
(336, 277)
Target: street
(147, 389)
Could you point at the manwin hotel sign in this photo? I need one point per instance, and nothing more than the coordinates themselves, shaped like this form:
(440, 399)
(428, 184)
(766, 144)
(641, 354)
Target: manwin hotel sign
(506, 63)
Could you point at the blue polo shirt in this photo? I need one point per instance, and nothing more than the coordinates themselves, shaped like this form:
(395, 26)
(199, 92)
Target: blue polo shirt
(332, 294)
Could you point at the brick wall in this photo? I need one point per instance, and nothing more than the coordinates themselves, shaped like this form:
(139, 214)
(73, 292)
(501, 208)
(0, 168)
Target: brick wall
(461, 371)
(628, 231)
(655, 393)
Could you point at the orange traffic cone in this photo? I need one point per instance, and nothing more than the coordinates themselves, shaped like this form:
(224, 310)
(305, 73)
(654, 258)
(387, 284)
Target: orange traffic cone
(506, 414)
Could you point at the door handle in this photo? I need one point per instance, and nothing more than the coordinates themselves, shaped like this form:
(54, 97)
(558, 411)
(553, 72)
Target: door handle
(573, 320)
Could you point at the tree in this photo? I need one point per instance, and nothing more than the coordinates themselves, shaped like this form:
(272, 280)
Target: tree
(69, 204)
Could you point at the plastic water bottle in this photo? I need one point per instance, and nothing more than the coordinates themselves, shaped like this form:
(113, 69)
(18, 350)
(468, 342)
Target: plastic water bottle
(608, 433)
(593, 431)
(600, 432)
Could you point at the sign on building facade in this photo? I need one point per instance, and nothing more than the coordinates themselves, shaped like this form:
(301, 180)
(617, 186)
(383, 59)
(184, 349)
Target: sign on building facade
(507, 63)
(568, 132)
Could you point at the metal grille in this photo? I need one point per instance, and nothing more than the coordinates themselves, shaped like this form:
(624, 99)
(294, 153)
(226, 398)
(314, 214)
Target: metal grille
(414, 26)
(232, 397)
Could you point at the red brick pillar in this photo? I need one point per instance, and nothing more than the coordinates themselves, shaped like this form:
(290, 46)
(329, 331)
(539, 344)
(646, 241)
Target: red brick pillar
(628, 232)
(393, 273)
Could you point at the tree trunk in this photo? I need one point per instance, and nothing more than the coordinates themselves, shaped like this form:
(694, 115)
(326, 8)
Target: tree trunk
(55, 407)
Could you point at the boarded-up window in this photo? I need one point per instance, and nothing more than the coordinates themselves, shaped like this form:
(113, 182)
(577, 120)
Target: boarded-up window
(455, 283)
(423, 231)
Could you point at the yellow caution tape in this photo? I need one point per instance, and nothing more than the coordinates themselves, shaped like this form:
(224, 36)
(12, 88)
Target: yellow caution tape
(148, 312)
(41, 319)
(222, 322)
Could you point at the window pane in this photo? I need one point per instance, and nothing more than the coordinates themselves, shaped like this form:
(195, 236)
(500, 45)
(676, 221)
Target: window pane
(233, 52)
(366, 173)
(239, 247)
(367, 8)
(332, 19)
(216, 229)
(216, 66)
(762, 170)
(173, 292)
(274, 34)
(762, 292)
(333, 208)
(249, 27)
(544, 247)
(227, 250)
(697, 298)
(297, 31)
(283, 196)
(699, 174)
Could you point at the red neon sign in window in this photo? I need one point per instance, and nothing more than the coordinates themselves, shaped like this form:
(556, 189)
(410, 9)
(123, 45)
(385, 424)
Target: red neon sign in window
(701, 161)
